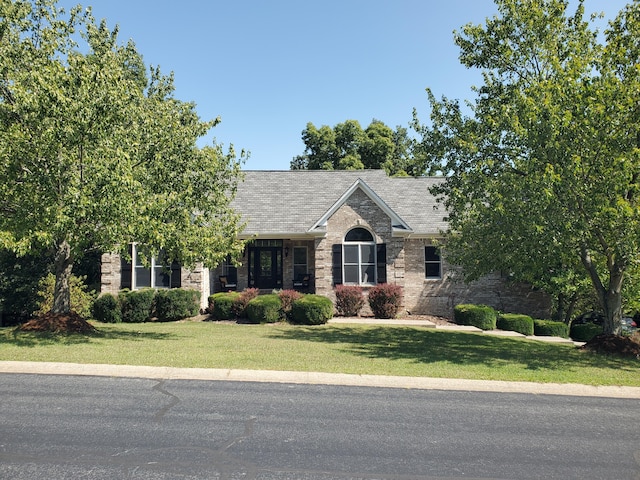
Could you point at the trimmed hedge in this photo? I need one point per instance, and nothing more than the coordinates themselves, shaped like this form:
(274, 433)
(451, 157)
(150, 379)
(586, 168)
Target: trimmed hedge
(515, 322)
(106, 309)
(265, 309)
(385, 300)
(480, 316)
(349, 300)
(240, 303)
(549, 328)
(583, 332)
(136, 306)
(311, 310)
(221, 305)
(176, 304)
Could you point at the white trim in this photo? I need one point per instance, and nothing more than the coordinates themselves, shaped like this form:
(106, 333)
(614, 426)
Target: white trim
(399, 226)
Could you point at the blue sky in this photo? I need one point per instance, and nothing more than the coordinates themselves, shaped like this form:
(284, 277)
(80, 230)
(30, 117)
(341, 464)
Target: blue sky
(269, 67)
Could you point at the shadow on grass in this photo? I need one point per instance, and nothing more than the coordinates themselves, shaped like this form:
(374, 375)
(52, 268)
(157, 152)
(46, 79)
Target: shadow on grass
(19, 338)
(464, 349)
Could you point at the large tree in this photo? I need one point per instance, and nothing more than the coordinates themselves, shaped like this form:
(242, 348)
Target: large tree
(542, 176)
(96, 151)
(347, 146)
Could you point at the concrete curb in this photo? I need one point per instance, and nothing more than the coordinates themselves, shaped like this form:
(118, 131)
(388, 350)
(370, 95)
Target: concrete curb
(317, 378)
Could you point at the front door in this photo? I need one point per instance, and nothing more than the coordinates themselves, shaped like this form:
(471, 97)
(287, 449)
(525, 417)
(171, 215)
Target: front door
(265, 267)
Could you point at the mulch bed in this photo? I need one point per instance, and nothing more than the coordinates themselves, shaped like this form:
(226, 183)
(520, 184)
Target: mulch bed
(58, 323)
(615, 344)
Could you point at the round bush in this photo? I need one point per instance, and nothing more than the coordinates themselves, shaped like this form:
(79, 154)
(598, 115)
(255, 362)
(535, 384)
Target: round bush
(176, 304)
(311, 310)
(265, 309)
(549, 328)
(287, 297)
(106, 309)
(349, 300)
(583, 332)
(221, 305)
(136, 306)
(385, 300)
(480, 316)
(514, 322)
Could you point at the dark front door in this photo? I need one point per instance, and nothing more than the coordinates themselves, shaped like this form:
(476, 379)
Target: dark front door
(265, 267)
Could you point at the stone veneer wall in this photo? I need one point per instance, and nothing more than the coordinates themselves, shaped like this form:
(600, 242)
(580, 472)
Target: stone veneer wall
(438, 297)
(111, 271)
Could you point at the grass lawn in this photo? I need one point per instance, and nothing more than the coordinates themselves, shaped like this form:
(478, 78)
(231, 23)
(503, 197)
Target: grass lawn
(356, 349)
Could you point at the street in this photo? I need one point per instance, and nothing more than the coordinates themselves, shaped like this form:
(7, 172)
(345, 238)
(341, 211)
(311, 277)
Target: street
(59, 427)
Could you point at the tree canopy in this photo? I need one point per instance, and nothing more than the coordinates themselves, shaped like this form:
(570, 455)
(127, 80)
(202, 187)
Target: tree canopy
(97, 152)
(346, 146)
(542, 177)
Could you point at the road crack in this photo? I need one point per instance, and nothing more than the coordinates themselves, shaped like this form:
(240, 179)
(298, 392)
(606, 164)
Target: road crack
(174, 400)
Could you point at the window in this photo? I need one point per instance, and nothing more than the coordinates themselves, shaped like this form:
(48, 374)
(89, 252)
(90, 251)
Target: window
(300, 267)
(432, 263)
(359, 258)
(229, 270)
(156, 274)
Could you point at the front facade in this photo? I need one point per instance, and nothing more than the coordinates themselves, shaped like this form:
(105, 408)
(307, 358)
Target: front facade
(312, 230)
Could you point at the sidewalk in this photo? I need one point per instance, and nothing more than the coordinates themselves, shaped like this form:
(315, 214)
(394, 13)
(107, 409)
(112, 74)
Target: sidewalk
(451, 327)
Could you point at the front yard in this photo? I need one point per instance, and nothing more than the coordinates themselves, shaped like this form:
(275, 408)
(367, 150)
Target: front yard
(355, 349)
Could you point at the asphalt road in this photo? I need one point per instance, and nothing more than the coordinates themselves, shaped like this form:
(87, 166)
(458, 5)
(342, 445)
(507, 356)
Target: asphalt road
(72, 427)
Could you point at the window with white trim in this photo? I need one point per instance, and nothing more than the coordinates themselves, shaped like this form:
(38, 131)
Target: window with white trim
(156, 273)
(359, 258)
(432, 263)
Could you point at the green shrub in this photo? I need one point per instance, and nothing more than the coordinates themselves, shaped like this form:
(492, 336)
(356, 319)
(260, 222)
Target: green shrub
(81, 299)
(239, 306)
(287, 297)
(265, 309)
(514, 322)
(583, 332)
(176, 304)
(349, 300)
(549, 328)
(311, 310)
(221, 305)
(106, 309)
(385, 300)
(480, 316)
(136, 306)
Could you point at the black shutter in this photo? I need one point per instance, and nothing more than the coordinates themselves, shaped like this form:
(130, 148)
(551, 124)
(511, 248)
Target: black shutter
(336, 263)
(381, 267)
(126, 271)
(176, 276)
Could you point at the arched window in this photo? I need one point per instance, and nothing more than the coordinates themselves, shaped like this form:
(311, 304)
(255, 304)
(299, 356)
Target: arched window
(359, 257)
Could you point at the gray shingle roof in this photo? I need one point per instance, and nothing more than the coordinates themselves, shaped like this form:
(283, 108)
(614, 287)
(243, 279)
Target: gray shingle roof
(289, 202)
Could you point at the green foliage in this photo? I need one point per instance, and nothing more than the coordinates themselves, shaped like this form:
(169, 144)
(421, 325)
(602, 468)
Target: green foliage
(311, 310)
(81, 299)
(265, 309)
(97, 152)
(239, 306)
(347, 147)
(542, 177)
(349, 300)
(385, 300)
(136, 306)
(515, 323)
(176, 304)
(287, 297)
(585, 331)
(480, 316)
(549, 328)
(221, 305)
(106, 309)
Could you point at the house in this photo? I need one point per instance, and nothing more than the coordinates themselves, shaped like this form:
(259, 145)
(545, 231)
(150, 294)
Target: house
(318, 228)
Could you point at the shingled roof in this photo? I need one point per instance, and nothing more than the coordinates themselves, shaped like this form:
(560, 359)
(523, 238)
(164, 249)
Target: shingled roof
(289, 203)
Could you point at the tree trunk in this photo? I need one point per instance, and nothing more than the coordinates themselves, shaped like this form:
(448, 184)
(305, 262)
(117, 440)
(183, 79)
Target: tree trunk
(62, 291)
